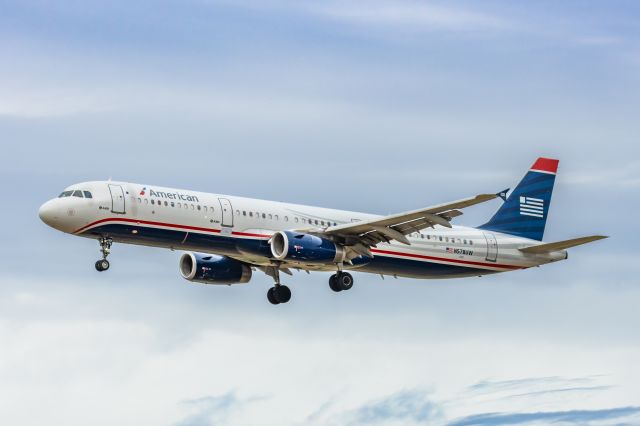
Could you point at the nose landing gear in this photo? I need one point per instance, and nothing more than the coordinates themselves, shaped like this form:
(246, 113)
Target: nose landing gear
(105, 249)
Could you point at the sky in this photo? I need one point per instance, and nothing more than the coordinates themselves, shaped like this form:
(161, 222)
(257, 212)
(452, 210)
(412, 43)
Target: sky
(372, 105)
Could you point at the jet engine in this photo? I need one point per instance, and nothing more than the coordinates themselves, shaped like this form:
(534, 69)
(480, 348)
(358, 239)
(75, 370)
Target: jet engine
(295, 246)
(213, 269)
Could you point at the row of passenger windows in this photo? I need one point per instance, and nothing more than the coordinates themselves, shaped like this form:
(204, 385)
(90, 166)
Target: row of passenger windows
(257, 215)
(296, 219)
(441, 238)
(76, 193)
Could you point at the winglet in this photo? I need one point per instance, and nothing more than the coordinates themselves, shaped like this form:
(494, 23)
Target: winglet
(503, 194)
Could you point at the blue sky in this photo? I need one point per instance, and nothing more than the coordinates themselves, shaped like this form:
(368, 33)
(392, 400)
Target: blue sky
(376, 106)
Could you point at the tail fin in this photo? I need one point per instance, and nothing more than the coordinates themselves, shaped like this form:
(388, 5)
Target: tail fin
(524, 213)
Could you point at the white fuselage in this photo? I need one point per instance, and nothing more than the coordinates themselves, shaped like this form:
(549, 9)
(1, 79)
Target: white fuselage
(241, 228)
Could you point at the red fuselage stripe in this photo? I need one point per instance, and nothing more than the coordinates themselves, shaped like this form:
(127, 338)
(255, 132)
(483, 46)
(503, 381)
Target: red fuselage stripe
(146, 222)
(466, 262)
(246, 234)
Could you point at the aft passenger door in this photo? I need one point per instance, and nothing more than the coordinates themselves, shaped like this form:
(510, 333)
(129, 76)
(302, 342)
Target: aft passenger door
(227, 212)
(117, 199)
(492, 247)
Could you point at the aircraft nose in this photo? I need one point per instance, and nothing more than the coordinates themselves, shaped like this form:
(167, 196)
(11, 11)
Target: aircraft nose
(48, 214)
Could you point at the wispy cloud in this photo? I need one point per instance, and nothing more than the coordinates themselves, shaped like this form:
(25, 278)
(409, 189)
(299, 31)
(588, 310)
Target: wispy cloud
(210, 410)
(527, 382)
(572, 417)
(406, 406)
(409, 14)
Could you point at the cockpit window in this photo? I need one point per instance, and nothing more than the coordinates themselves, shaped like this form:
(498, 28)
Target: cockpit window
(87, 194)
(66, 194)
(77, 194)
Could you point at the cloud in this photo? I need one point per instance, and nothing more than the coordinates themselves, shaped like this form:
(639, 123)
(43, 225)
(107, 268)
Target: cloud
(211, 410)
(528, 382)
(408, 14)
(406, 406)
(571, 417)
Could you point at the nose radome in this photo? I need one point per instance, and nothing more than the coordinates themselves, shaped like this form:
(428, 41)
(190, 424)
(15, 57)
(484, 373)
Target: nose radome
(47, 213)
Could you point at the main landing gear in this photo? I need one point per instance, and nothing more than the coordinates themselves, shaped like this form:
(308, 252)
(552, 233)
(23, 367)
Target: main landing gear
(340, 281)
(278, 293)
(105, 249)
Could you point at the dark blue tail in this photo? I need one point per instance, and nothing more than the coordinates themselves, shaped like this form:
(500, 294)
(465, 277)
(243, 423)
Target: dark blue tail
(524, 213)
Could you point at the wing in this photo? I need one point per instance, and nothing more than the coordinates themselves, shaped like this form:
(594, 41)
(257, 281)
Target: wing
(359, 236)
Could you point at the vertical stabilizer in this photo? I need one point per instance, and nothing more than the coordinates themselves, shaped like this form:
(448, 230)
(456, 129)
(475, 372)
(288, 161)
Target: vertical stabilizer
(525, 211)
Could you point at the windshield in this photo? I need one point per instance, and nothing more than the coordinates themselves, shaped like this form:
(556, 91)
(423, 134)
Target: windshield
(66, 194)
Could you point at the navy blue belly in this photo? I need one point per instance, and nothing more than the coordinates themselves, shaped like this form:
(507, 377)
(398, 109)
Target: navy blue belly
(221, 244)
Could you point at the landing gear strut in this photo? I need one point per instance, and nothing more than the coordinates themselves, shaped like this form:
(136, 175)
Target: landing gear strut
(105, 249)
(340, 281)
(278, 293)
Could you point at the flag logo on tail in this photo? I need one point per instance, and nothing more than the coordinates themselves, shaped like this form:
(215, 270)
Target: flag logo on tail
(531, 206)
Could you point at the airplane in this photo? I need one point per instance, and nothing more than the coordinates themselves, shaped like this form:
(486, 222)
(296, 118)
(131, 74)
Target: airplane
(227, 238)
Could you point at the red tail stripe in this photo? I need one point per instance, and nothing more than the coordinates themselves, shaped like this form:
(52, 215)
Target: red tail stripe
(546, 165)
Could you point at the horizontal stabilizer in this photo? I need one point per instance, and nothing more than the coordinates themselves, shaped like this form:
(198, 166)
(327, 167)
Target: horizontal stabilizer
(561, 245)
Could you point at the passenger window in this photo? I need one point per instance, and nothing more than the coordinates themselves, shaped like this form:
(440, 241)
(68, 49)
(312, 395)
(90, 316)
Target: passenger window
(237, 212)
(186, 206)
(193, 207)
(87, 194)
(270, 216)
(286, 218)
(296, 219)
(199, 207)
(276, 217)
(470, 242)
(440, 238)
(244, 212)
(77, 194)
(264, 216)
(153, 202)
(250, 214)
(173, 204)
(166, 203)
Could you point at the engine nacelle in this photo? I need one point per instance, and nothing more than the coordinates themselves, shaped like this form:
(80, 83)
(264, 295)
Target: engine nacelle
(213, 269)
(287, 245)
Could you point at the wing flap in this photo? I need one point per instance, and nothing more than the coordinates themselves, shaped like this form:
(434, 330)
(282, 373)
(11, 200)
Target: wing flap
(561, 245)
